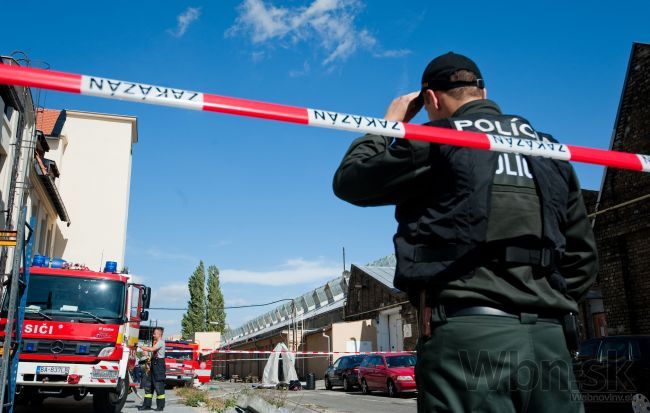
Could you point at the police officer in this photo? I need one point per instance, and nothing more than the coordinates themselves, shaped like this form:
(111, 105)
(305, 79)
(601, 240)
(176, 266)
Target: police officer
(494, 249)
(154, 379)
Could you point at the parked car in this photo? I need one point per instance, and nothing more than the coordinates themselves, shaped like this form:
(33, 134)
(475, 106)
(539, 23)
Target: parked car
(343, 372)
(393, 373)
(613, 369)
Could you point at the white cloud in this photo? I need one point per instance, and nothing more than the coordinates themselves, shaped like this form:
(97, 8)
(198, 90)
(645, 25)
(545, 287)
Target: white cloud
(170, 295)
(221, 243)
(230, 302)
(393, 53)
(157, 253)
(184, 20)
(138, 279)
(293, 271)
(330, 23)
(301, 72)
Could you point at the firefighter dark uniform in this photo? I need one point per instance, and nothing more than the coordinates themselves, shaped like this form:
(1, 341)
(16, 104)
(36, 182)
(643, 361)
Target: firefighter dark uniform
(497, 247)
(154, 379)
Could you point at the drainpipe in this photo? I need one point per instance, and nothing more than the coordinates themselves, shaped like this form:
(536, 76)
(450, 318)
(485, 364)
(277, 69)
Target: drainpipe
(329, 356)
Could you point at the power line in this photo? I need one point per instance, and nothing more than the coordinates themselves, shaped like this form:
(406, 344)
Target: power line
(622, 204)
(225, 308)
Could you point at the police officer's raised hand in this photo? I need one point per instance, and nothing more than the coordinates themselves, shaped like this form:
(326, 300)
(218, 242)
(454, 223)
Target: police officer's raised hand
(404, 108)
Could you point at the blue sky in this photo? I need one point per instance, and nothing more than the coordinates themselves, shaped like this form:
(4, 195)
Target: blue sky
(254, 197)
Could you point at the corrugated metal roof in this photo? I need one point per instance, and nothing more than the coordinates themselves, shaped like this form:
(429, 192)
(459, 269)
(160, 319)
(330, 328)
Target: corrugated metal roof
(305, 309)
(324, 309)
(384, 275)
(387, 261)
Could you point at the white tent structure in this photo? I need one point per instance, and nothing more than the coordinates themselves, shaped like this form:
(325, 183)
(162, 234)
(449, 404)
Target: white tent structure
(280, 354)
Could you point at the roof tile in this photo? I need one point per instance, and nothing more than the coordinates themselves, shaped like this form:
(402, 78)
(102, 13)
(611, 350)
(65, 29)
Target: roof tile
(46, 121)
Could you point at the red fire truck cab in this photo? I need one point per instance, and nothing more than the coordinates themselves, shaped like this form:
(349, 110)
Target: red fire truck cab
(185, 363)
(79, 335)
(180, 362)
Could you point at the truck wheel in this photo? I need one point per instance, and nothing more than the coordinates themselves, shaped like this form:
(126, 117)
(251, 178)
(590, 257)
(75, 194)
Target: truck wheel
(111, 401)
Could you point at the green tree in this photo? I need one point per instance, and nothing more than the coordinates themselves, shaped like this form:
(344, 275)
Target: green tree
(215, 317)
(194, 317)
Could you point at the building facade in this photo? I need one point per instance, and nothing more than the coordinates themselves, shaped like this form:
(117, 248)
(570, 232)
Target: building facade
(296, 324)
(93, 152)
(622, 226)
(372, 297)
(17, 138)
(78, 178)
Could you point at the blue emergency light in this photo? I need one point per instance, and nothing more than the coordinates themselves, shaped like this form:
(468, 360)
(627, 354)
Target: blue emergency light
(39, 261)
(30, 346)
(83, 349)
(45, 261)
(111, 266)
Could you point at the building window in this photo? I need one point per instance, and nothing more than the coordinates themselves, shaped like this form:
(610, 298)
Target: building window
(41, 239)
(48, 243)
(7, 109)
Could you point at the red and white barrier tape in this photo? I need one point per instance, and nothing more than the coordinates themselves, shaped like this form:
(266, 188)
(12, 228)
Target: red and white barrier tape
(321, 353)
(145, 93)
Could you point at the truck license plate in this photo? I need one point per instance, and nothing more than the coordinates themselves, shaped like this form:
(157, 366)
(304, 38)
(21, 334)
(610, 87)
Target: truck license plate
(53, 370)
(103, 374)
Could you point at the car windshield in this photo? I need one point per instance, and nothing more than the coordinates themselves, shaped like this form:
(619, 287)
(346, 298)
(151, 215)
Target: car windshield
(64, 298)
(355, 361)
(178, 355)
(400, 361)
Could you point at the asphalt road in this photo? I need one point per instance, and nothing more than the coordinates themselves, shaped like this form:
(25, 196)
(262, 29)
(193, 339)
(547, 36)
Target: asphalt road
(332, 401)
(319, 400)
(69, 405)
(342, 402)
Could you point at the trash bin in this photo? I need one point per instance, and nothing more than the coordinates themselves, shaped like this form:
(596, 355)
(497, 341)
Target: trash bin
(311, 382)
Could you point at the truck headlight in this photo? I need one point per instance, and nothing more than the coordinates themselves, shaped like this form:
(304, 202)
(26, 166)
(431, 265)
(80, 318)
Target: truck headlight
(106, 352)
(404, 378)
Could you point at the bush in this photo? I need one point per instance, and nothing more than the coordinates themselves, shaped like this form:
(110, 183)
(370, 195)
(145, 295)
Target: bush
(219, 405)
(198, 398)
(192, 397)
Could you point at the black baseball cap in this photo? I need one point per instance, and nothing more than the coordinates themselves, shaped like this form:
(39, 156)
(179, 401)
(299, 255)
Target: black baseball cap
(439, 70)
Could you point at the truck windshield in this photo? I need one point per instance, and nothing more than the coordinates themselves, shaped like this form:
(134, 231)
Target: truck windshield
(64, 298)
(178, 355)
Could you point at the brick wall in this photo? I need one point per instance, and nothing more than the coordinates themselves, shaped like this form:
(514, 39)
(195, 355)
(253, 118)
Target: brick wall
(368, 296)
(623, 234)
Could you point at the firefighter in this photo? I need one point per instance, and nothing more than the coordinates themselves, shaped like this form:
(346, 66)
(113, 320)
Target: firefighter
(495, 249)
(154, 377)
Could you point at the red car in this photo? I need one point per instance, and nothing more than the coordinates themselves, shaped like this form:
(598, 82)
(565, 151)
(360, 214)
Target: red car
(393, 373)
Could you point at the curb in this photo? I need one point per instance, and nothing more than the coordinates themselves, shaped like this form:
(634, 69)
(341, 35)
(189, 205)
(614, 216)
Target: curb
(256, 404)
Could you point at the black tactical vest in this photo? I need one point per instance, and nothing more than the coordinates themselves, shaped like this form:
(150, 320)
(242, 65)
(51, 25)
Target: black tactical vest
(442, 231)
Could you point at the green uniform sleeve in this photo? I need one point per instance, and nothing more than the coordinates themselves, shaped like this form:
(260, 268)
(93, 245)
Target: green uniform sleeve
(378, 170)
(579, 265)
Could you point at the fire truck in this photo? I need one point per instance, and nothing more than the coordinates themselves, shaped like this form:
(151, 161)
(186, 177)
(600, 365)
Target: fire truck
(79, 334)
(185, 363)
(180, 362)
